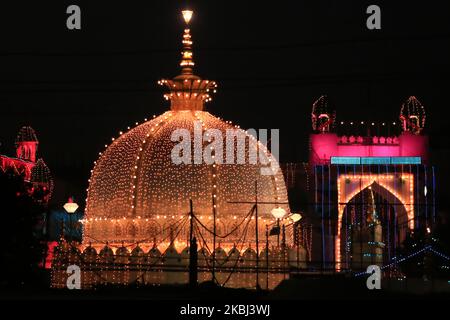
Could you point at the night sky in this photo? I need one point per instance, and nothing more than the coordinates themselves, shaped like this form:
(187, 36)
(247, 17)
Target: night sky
(78, 89)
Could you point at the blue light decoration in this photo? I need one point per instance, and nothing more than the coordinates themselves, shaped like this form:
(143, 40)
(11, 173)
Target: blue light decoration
(62, 223)
(434, 198)
(376, 160)
(345, 160)
(406, 160)
(323, 217)
(398, 261)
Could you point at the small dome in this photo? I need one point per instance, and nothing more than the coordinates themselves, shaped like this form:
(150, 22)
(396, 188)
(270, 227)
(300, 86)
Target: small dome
(42, 177)
(26, 134)
(171, 252)
(185, 251)
(234, 252)
(122, 255)
(249, 252)
(90, 251)
(171, 256)
(106, 252)
(40, 173)
(122, 251)
(221, 256)
(203, 252)
(154, 252)
(137, 255)
(89, 255)
(137, 251)
(249, 257)
(154, 256)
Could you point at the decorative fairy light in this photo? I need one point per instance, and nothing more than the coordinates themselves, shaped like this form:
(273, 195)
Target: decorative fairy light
(413, 116)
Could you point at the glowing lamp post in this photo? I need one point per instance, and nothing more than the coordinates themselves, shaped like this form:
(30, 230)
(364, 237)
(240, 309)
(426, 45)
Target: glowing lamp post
(278, 213)
(295, 217)
(70, 207)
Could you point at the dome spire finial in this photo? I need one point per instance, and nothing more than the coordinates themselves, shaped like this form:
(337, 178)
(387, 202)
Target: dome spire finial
(187, 61)
(188, 91)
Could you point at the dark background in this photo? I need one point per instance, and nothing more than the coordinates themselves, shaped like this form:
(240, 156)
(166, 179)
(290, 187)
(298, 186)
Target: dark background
(78, 89)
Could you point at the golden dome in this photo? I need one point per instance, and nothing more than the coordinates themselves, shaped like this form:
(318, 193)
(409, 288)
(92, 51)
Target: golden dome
(136, 179)
(136, 189)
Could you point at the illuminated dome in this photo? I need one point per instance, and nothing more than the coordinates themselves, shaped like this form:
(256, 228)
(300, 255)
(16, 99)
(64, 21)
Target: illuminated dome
(137, 192)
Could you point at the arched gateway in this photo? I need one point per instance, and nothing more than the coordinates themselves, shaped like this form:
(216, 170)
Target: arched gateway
(371, 185)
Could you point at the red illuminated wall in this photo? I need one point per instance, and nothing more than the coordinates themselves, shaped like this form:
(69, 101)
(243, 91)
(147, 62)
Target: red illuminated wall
(21, 166)
(27, 150)
(323, 146)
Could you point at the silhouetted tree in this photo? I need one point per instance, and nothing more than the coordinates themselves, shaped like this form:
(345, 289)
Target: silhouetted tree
(22, 246)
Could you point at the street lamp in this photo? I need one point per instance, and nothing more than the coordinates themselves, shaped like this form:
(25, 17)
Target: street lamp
(295, 217)
(278, 213)
(70, 207)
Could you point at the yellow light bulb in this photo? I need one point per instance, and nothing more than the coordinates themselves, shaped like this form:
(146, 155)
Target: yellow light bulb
(187, 15)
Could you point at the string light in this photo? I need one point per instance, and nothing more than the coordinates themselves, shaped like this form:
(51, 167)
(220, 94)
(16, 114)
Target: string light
(412, 115)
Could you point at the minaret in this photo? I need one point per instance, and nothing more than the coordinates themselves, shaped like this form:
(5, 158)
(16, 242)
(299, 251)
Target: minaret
(188, 91)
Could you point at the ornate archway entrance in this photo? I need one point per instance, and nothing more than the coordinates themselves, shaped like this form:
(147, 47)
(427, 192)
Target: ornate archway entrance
(364, 202)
